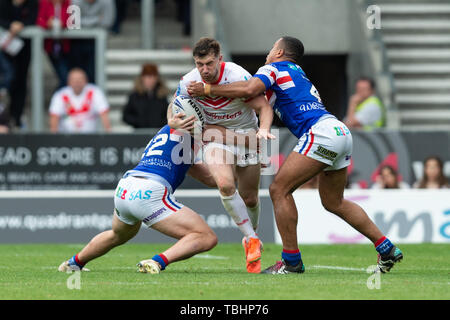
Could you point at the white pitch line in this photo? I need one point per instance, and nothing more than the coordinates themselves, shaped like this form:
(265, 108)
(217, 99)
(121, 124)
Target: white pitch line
(209, 256)
(337, 268)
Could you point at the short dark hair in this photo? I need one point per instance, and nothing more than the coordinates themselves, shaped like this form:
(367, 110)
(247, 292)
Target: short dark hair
(206, 46)
(369, 80)
(293, 49)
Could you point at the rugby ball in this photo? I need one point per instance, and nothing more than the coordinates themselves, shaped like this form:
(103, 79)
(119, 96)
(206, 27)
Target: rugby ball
(189, 107)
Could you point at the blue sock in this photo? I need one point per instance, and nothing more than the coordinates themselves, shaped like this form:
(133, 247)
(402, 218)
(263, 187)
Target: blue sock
(74, 261)
(383, 246)
(161, 259)
(292, 257)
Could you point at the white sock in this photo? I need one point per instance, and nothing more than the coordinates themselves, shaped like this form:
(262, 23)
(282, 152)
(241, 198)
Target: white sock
(236, 208)
(253, 213)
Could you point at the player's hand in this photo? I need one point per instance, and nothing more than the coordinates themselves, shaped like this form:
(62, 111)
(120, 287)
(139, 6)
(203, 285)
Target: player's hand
(176, 122)
(265, 134)
(196, 89)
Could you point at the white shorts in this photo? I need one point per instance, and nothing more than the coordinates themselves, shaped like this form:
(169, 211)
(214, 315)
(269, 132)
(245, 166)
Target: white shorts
(244, 156)
(143, 200)
(328, 141)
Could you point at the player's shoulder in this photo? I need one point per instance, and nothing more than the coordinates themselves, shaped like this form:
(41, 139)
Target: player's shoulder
(193, 75)
(235, 71)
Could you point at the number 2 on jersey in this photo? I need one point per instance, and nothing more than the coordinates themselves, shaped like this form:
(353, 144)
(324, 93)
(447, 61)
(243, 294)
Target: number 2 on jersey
(156, 142)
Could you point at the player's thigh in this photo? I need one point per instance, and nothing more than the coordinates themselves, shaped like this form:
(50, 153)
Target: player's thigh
(219, 154)
(295, 170)
(183, 222)
(124, 230)
(222, 171)
(248, 180)
(331, 187)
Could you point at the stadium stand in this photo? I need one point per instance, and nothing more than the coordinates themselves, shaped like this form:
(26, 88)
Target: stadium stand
(416, 36)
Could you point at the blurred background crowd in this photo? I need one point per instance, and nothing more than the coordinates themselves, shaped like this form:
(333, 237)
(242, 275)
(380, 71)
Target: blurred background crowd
(135, 96)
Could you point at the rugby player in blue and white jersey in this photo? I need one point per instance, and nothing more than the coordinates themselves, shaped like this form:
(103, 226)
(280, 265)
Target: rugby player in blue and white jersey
(145, 195)
(324, 148)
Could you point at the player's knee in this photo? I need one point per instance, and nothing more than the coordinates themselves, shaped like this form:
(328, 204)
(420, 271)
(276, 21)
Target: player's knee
(210, 240)
(274, 190)
(331, 205)
(226, 188)
(250, 201)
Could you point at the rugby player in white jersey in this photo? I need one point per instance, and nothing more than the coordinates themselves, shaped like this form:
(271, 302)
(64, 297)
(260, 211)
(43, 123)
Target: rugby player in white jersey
(237, 116)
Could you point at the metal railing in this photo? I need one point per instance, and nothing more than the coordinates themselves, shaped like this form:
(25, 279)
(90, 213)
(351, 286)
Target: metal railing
(207, 21)
(37, 36)
(147, 24)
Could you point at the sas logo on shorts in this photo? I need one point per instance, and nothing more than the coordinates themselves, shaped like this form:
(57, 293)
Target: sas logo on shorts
(341, 131)
(325, 153)
(140, 194)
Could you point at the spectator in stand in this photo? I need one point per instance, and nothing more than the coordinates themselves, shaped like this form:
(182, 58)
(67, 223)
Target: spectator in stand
(147, 104)
(6, 74)
(53, 15)
(433, 175)
(14, 16)
(388, 179)
(121, 9)
(365, 110)
(94, 14)
(77, 107)
(184, 15)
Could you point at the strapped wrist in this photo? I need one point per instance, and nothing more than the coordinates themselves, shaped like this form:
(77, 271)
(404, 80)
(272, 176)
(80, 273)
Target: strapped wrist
(207, 88)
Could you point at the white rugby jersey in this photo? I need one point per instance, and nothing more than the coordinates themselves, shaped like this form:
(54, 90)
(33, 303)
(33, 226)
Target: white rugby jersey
(79, 113)
(227, 112)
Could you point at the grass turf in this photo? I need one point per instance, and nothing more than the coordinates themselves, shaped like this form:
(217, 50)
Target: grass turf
(332, 272)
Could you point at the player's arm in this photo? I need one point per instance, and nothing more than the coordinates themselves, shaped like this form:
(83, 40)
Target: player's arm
(200, 172)
(263, 108)
(239, 89)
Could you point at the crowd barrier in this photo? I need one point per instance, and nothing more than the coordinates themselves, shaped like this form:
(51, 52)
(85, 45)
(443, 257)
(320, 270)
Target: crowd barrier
(405, 216)
(98, 161)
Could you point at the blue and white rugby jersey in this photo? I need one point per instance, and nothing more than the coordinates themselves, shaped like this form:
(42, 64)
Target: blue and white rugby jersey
(293, 97)
(166, 158)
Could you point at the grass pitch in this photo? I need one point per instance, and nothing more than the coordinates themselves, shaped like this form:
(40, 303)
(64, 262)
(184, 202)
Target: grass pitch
(332, 272)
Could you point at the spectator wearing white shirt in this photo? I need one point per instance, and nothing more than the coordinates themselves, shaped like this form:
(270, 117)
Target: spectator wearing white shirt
(77, 107)
(365, 110)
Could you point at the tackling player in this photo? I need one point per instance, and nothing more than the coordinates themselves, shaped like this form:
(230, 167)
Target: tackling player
(242, 203)
(145, 195)
(324, 148)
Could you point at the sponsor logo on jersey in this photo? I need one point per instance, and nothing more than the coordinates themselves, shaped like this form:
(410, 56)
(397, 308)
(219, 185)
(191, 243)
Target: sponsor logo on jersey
(311, 106)
(223, 116)
(157, 162)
